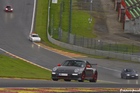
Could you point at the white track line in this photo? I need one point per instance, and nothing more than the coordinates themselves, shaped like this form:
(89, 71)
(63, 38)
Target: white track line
(33, 17)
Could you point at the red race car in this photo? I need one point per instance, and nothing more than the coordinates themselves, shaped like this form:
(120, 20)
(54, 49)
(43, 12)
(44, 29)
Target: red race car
(8, 9)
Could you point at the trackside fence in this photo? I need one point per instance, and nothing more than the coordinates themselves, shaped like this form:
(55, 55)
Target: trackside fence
(108, 54)
(92, 46)
(96, 44)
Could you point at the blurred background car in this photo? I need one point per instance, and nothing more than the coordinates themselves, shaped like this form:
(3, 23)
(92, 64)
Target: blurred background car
(129, 73)
(34, 37)
(75, 70)
(8, 9)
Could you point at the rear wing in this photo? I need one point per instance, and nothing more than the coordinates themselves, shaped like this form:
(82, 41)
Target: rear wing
(94, 65)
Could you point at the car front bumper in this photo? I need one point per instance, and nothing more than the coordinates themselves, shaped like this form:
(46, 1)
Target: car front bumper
(9, 10)
(71, 76)
(132, 77)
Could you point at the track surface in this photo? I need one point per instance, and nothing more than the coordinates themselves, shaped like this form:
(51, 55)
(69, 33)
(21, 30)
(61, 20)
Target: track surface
(15, 28)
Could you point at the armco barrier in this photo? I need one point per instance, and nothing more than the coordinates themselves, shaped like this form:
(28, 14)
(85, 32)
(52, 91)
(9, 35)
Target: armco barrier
(110, 54)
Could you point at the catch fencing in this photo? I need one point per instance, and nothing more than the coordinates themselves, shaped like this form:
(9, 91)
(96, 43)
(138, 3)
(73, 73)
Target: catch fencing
(93, 43)
(108, 54)
(92, 46)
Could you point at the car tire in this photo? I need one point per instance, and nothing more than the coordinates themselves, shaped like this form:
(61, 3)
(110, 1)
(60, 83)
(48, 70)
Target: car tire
(121, 76)
(67, 80)
(82, 77)
(126, 77)
(94, 77)
(137, 77)
(30, 39)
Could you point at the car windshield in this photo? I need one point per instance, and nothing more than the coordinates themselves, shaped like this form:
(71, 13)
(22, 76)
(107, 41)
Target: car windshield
(130, 70)
(35, 35)
(9, 7)
(77, 63)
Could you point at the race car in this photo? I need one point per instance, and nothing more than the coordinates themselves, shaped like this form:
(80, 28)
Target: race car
(34, 37)
(8, 9)
(79, 70)
(129, 73)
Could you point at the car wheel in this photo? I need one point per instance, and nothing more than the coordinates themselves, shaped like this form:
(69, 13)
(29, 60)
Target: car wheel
(125, 77)
(94, 77)
(82, 77)
(31, 40)
(121, 76)
(67, 80)
(55, 79)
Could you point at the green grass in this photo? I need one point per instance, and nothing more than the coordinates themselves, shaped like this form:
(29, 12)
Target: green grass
(15, 68)
(81, 25)
(41, 19)
(79, 19)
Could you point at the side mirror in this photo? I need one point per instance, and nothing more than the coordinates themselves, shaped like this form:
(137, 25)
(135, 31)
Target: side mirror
(59, 65)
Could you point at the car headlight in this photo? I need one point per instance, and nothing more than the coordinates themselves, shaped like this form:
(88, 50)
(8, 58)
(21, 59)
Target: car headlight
(137, 75)
(78, 70)
(53, 73)
(55, 68)
(127, 74)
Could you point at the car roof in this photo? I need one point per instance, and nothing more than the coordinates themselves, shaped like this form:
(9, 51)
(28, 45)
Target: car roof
(129, 69)
(34, 34)
(8, 6)
(75, 60)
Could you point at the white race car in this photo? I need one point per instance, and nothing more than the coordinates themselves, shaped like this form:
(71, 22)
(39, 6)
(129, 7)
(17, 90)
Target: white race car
(34, 37)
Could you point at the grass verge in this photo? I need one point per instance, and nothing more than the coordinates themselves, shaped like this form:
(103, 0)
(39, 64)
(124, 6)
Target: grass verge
(60, 18)
(15, 68)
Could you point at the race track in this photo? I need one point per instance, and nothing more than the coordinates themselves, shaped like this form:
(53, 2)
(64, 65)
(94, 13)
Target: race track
(15, 28)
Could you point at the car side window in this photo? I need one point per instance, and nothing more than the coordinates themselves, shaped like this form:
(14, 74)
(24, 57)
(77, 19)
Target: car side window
(65, 63)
